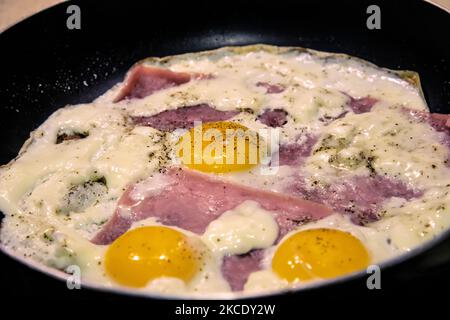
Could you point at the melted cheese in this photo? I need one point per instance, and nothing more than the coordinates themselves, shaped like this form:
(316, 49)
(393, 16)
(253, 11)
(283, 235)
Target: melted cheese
(242, 229)
(395, 145)
(410, 223)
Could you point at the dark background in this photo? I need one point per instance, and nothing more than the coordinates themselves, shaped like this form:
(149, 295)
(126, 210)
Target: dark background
(45, 66)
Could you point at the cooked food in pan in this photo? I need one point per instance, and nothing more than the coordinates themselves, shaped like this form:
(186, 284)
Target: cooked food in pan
(245, 169)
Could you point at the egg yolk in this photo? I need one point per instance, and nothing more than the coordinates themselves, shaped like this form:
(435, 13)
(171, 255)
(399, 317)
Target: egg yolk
(319, 253)
(219, 147)
(147, 253)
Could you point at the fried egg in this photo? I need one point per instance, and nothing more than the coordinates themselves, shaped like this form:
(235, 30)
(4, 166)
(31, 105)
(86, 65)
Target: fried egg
(325, 249)
(148, 253)
(220, 147)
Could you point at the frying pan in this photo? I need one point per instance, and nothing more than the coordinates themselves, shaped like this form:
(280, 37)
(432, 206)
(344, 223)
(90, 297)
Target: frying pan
(45, 66)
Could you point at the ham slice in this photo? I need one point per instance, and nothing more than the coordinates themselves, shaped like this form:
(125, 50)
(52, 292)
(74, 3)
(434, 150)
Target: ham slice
(236, 269)
(270, 88)
(359, 197)
(191, 200)
(183, 117)
(361, 105)
(440, 122)
(273, 117)
(294, 153)
(443, 119)
(142, 81)
(356, 105)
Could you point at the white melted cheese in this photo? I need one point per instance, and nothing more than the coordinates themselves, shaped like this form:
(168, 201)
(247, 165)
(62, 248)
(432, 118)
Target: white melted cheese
(264, 281)
(34, 188)
(410, 223)
(396, 145)
(242, 229)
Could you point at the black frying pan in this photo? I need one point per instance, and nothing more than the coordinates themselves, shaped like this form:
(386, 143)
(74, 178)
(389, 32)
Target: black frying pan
(45, 66)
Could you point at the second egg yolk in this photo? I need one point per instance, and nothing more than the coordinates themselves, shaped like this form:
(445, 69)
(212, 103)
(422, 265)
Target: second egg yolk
(219, 147)
(147, 253)
(319, 253)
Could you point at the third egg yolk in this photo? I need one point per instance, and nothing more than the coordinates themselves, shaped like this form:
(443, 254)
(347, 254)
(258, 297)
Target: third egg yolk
(319, 253)
(219, 147)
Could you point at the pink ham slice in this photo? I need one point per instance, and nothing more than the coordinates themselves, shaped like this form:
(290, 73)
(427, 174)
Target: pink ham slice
(142, 81)
(236, 269)
(356, 105)
(359, 197)
(183, 117)
(361, 105)
(271, 88)
(192, 200)
(273, 117)
(294, 153)
(443, 119)
(440, 122)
